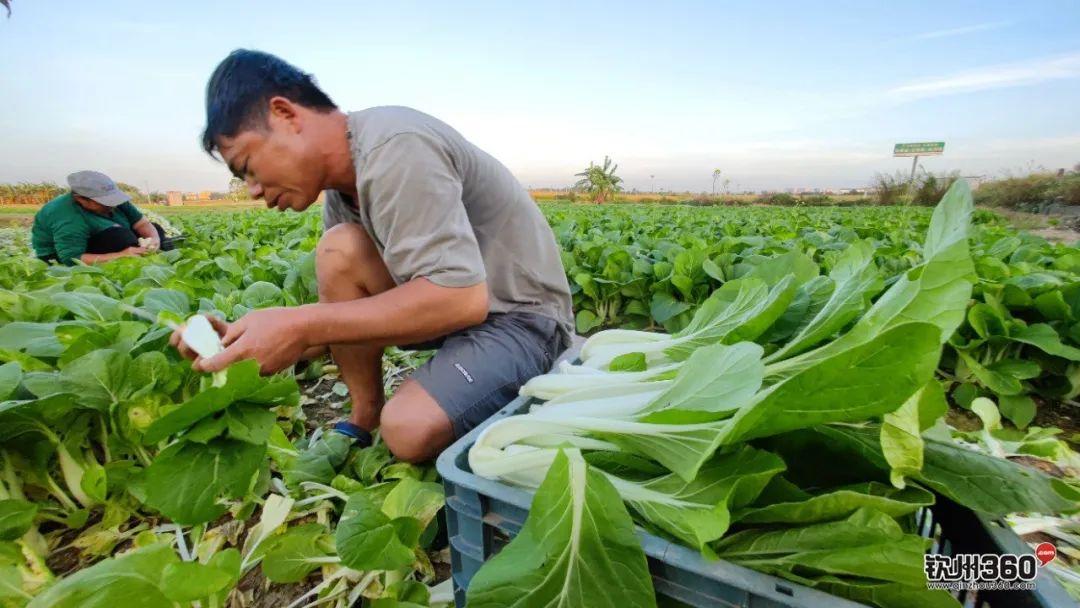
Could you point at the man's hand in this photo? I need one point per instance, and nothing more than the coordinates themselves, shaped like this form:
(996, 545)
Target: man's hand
(275, 337)
(177, 337)
(135, 251)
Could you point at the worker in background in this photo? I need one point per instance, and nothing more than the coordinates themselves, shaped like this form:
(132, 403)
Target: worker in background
(94, 222)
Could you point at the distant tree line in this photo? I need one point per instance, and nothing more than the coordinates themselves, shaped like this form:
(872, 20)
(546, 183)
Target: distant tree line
(28, 193)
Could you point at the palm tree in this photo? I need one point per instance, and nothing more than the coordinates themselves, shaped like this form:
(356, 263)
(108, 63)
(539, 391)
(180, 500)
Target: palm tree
(715, 176)
(600, 181)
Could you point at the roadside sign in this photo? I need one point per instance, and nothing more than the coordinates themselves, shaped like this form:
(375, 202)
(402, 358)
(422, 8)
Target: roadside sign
(924, 148)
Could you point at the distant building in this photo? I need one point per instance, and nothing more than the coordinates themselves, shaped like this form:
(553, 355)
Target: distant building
(174, 198)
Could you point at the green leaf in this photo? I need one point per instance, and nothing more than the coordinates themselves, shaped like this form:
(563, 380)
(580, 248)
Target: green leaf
(241, 382)
(188, 482)
(16, 518)
(684, 284)
(132, 580)
(986, 321)
(419, 500)
(713, 270)
(1001, 383)
(664, 307)
(366, 539)
(901, 431)
(697, 512)
(25, 361)
(34, 339)
(289, 556)
(578, 544)
(157, 301)
(870, 379)
(840, 503)
(13, 589)
(889, 595)
(1020, 409)
(1043, 337)
(740, 310)
(90, 306)
(229, 265)
(716, 378)
(867, 545)
(964, 394)
(1052, 305)
(586, 321)
(629, 362)
(370, 461)
(975, 480)
(250, 423)
(188, 581)
(261, 294)
(776, 268)
(320, 461)
(937, 291)
(10, 377)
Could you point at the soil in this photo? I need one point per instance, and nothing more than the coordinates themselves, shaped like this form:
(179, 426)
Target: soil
(1057, 235)
(1038, 463)
(1048, 414)
(255, 591)
(1059, 415)
(321, 405)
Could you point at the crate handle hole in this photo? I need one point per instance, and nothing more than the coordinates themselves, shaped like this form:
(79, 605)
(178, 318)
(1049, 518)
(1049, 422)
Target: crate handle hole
(788, 591)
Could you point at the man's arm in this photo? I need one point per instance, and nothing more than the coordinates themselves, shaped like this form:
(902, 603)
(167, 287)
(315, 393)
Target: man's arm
(69, 239)
(95, 258)
(415, 311)
(412, 312)
(146, 230)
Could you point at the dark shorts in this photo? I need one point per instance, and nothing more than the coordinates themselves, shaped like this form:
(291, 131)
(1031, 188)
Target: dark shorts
(478, 370)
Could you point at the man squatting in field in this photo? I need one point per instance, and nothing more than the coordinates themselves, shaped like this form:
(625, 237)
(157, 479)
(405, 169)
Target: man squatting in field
(429, 242)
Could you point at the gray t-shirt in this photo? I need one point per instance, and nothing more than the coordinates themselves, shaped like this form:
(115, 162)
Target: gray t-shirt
(437, 206)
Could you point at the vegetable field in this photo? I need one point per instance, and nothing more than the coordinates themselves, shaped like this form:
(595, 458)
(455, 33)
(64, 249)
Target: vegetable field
(736, 355)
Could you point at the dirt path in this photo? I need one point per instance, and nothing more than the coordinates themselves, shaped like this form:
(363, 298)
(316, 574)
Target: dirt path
(1057, 235)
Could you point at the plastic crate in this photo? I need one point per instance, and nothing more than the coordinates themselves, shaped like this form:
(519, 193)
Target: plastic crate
(482, 515)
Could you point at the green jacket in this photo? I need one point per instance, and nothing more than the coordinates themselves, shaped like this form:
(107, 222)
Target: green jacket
(62, 227)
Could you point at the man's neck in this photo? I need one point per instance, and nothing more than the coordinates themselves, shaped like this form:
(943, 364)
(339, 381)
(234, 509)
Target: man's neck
(342, 174)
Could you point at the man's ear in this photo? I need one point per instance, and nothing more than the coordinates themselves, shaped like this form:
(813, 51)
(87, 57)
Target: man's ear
(282, 111)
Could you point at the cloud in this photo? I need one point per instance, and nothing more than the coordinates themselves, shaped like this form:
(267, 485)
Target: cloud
(993, 77)
(960, 31)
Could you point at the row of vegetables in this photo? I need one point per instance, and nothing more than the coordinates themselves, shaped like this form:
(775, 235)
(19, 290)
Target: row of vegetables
(794, 425)
(645, 267)
(780, 342)
(127, 479)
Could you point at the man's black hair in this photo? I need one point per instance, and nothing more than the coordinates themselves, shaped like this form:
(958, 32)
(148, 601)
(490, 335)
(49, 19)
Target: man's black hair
(240, 89)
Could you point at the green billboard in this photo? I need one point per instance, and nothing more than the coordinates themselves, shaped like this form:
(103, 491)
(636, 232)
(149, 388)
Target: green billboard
(922, 148)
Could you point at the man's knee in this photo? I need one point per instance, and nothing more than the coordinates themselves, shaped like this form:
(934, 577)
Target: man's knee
(341, 248)
(415, 434)
(347, 262)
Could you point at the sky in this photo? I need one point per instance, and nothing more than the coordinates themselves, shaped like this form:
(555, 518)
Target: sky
(774, 94)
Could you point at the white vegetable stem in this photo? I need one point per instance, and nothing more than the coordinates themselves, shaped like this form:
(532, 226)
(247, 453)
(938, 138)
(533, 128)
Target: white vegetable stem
(199, 334)
(572, 378)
